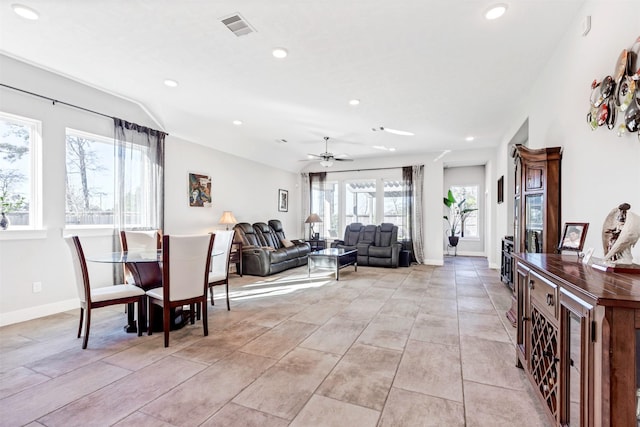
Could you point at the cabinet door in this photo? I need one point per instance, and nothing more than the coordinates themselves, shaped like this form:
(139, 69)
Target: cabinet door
(534, 222)
(543, 362)
(575, 354)
(523, 316)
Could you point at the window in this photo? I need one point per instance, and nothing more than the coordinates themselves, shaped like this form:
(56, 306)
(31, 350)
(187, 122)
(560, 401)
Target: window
(469, 193)
(20, 170)
(368, 200)
(89, 180)
(393, 205)
(360, 202)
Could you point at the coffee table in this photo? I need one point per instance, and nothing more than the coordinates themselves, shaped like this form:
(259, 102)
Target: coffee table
(332, 258)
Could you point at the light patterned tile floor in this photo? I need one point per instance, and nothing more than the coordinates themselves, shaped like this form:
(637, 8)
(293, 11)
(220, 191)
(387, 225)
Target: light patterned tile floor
(417, 346)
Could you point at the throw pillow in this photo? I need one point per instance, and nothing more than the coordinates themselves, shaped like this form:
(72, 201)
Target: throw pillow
(286, 243)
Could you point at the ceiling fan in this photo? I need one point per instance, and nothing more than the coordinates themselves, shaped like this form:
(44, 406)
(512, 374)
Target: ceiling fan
(327, 158)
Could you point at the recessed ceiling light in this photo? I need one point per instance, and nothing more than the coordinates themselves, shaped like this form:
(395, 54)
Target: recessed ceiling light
(279, 52)
(383, 148)
(496, 11)
(170, 83)
(25, 12)
(469, 138)
(397, 132)
(237, 122)
(354, 102)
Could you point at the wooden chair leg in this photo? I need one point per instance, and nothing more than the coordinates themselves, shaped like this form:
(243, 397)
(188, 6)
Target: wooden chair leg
(205, 322)
(211, 290)
(87, 325)
(140, 300)
(192, 313)
(166, 315)
(227, 287)
(150, 317)
(81, 319)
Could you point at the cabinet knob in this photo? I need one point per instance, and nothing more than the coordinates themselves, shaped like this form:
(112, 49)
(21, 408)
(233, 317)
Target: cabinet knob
(550, 299)
(525, 318)
(531, 284)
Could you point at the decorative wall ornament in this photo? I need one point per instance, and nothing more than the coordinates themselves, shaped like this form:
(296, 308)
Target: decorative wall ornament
(618, 95)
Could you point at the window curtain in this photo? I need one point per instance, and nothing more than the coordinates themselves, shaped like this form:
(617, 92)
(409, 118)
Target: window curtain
(139, 176)
(317, 190)
(306, 202)
(412, 195)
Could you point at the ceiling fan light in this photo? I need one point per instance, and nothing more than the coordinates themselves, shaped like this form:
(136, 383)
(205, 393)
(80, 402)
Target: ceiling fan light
(326, 163)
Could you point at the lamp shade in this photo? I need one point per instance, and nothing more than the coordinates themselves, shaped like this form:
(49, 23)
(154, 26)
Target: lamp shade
(227, 218)
(312, 218)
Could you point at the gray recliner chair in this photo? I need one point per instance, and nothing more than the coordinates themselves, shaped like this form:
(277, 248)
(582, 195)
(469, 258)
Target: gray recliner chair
(385, 252)
(360, 237)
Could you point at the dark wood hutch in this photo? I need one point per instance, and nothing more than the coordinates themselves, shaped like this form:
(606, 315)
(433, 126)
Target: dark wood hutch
(536, 206)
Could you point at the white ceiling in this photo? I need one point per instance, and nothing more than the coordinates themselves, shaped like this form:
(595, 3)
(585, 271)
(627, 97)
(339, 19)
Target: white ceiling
(435, 68)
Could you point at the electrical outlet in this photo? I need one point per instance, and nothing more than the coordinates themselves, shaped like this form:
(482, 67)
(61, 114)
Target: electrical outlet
(37, 287)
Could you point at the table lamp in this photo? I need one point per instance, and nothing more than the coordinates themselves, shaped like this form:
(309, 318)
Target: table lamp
(312, 219)
(227, 218)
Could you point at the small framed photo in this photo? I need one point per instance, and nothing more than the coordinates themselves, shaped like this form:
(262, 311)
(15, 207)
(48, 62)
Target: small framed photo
(283, 200)
(199, 191)
(501, 189)
(573, 236)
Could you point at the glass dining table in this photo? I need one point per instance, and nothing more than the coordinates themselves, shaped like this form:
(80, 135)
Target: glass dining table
(146, 272)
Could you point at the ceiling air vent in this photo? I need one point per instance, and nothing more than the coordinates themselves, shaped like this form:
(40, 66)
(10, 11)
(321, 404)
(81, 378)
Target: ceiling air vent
(238, 25)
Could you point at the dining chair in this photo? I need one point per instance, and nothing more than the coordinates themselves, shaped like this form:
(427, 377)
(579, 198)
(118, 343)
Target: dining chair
(149, 274)
(185, 273)
(91, 298)
(219, 272)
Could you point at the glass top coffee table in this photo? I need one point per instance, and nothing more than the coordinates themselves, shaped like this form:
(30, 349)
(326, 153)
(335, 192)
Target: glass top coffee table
(332, 258)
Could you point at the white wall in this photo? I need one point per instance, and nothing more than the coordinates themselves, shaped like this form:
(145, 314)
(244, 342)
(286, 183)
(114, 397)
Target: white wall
(599, 169)
(247, 188)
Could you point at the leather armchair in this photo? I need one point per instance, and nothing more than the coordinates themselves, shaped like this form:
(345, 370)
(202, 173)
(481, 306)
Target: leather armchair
(385, 252)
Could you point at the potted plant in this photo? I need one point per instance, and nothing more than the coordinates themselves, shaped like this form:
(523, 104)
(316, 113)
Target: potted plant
(458, 213)
(7, 205)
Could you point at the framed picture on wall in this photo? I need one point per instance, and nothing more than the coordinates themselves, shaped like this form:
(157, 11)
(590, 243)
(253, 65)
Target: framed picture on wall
(501, 189)
(283, 200)
(199, 191)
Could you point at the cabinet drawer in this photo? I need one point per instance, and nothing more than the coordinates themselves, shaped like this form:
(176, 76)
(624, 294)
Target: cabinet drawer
(545, 293)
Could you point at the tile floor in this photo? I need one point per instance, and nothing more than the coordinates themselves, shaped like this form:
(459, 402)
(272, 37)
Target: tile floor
(417, 346)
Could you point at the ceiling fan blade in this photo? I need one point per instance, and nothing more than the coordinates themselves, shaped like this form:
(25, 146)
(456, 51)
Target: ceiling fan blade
(315, 156)
(343, 160)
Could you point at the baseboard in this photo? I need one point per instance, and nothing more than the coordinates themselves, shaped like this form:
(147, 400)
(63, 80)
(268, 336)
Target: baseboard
(433, 262)
(38, 311)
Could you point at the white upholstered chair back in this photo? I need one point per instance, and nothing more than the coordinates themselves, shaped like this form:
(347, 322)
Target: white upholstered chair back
(140, 241)
(220, 263)
(80, 273)
(186, 262)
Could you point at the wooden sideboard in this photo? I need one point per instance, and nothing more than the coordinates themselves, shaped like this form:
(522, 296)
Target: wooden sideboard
(578, 338)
